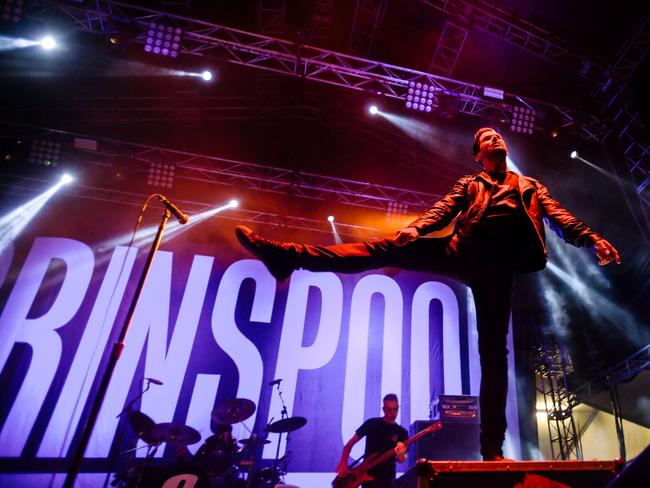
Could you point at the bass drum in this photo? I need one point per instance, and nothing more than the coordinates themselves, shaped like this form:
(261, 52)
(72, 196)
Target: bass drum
(181, 475)
(215, 463)
(263, 478)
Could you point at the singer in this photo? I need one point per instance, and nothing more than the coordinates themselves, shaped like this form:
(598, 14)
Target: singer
(498, 235)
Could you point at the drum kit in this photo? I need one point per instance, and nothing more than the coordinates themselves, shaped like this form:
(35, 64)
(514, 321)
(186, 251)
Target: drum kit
(220, 462)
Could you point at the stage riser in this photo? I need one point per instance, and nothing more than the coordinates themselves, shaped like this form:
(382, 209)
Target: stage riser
(514, 474)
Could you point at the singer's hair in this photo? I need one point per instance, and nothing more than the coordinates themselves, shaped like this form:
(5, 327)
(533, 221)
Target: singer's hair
(476, 147)
(391, 397)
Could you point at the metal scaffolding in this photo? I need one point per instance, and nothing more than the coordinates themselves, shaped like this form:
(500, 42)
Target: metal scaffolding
(451, 42)
(552, 367)
(324, 66)
(229, 172)
(368, 15)
(330, 67)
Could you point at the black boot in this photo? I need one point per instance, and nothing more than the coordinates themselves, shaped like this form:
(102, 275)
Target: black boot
(278, 257)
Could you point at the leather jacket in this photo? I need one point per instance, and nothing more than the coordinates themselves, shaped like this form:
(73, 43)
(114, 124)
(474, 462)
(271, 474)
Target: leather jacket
(471, 195)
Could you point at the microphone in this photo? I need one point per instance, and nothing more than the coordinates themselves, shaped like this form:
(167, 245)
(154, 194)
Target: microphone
(275, 382)
(180, 216)
(154, 381)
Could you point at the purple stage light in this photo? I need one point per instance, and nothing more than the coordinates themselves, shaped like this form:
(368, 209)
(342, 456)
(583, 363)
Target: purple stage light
(163, 39)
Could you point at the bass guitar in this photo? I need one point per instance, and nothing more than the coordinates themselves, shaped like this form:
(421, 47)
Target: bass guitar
(359, 475)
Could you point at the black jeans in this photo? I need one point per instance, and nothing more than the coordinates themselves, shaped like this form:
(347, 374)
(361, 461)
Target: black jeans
(490, 277)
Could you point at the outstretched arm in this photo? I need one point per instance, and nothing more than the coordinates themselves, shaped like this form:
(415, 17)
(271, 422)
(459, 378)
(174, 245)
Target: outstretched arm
(574, 230)
(342, 468)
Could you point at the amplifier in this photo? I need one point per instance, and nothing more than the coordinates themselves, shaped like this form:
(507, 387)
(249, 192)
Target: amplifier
(455, 440)
(455, 408)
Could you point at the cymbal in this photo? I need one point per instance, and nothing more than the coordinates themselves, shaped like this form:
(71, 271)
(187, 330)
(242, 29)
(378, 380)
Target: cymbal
(254, 441)
(173, 433)
(142, 426)
(233, 411)
(286, 425)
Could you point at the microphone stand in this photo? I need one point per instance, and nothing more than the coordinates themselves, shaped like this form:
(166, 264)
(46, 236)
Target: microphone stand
(128, 409)
(112, 362)
(283, 415)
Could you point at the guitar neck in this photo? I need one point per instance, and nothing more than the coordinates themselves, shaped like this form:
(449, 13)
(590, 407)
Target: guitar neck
(432, 428)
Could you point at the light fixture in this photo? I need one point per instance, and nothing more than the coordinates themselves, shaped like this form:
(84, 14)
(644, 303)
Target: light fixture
(523, 120)
(330, 218)
(373, 109)
(161, 174)
(66, 178)
(420, 96)
(12, 10)
(234, 203)
(164, 40)
(574, 154)
(206, 75)
(44, 153)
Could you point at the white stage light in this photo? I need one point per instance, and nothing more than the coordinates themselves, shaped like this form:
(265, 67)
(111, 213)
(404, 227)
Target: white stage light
(234, 203)
(206, 75)
(574, 154)
(330, 218)
(373, 109)
(66, 178)
(48, 43)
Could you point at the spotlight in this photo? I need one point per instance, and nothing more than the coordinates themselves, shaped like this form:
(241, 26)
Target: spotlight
(48, 43)
(66, 178)
(206, 75)
(330, 218)
(234, 203)
(574, 154)
(373, 110)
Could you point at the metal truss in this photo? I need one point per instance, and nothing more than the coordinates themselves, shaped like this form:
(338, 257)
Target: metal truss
(368, 15)
(620, 373)
(21, 186)
(630, 55)
(324, 66)
(321, 21)
(451, 42)
(271, 17)
(180, 7)
(553, 365)
(228, 172)
(527, 36)
(607, 78)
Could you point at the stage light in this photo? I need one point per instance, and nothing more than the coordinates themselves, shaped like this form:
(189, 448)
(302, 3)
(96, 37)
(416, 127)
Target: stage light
(574, 154)
(48, 43)
(44, 152)
(12, 224)
(161, 174)
(206, 75)
(330, 218)
(523, 120)
(373, 110)
(234, 203)
(12, 10)
(164, 40)
(420, 96)
(66, 178)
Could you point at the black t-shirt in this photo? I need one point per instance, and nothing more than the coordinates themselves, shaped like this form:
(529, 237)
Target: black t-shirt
(381, 437)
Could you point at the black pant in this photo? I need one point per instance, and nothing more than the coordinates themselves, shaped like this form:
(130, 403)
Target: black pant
(490, 277)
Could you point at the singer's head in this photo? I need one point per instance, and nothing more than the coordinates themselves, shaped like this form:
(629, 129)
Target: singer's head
(490, 150)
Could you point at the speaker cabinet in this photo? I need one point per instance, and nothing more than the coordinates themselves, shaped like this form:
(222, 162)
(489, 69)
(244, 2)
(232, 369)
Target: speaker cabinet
(456, 441)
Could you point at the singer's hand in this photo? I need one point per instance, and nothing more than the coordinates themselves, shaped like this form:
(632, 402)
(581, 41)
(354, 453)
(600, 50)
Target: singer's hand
(406, 235)
(606, 252)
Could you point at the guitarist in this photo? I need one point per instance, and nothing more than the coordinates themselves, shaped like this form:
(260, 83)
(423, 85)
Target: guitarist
(382, 434)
